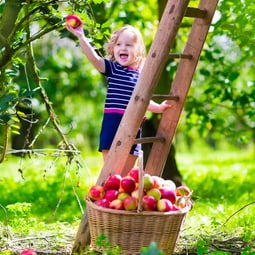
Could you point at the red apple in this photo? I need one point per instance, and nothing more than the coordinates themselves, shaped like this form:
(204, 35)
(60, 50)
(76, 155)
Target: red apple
(127, 184)
(168, 193)
(111, 194)
(155, 193)
(147, 182)
(130, 203)
(28, 252)
(73, 21)
(164, 205)
(149, 203)
(112, 182)
(122, 196)
(134, 172)
(96, 192)
(103, 202)
(157, 181)
(183, 191)
(116, 204)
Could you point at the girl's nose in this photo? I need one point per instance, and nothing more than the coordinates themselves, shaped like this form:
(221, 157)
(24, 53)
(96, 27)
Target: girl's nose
(122, 46)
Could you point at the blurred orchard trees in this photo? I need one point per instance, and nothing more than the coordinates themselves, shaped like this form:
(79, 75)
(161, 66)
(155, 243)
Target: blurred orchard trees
(50, 93)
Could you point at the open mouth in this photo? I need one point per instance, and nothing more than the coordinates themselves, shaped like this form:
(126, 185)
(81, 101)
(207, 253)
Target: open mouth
(123, 56)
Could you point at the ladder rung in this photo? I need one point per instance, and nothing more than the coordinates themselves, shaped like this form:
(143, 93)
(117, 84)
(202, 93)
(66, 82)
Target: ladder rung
(149, 140)
(165, 97)
(180, 55)
(195, 13)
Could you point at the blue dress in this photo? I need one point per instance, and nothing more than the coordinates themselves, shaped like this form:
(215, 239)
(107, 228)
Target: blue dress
(121, 82)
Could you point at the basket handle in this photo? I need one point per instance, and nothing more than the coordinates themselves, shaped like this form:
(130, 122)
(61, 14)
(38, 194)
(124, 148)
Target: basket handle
(140, 187)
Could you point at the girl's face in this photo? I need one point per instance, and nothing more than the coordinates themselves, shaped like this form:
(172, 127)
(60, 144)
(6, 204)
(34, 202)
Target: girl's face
(125, 49)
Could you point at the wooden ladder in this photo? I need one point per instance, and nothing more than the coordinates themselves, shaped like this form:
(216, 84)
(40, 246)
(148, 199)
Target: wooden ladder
(158, 54)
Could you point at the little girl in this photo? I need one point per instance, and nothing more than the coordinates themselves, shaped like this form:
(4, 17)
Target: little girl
(125, 58)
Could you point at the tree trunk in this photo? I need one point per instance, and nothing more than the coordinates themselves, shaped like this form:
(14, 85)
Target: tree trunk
(170, 170)
(10, 13)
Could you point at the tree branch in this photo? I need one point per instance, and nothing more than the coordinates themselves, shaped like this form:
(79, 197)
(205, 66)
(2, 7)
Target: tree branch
(6, 129)
(53, 117)
(233, 214)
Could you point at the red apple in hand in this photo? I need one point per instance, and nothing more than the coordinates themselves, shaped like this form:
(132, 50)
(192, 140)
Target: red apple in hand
(73, 21)
(113, 182)
(96, 192)
(127, 184)
(149, 203)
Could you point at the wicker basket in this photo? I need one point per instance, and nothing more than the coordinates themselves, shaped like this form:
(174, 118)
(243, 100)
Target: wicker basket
(133, 230)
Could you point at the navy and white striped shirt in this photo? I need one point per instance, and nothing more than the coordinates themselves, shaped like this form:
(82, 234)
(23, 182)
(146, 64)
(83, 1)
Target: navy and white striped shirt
(121, 82)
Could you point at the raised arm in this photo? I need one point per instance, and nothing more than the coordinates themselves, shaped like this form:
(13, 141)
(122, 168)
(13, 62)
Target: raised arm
(88, 50)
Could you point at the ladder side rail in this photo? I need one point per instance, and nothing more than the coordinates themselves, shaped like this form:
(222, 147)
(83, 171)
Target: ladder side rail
(180, 87)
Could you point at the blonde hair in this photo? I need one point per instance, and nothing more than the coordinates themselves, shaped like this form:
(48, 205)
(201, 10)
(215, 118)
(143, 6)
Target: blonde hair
(138, 39)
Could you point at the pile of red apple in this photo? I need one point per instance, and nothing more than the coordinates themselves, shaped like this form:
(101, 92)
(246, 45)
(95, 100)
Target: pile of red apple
(121, 193)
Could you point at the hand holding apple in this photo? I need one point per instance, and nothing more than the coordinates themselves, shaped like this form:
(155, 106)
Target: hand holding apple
(73, 21)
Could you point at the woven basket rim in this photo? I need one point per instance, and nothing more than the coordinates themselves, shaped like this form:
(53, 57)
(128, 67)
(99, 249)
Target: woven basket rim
(125, 212)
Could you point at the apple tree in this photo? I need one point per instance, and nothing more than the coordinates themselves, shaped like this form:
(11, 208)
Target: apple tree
(34, 72)
(23, 24)
(221, 101)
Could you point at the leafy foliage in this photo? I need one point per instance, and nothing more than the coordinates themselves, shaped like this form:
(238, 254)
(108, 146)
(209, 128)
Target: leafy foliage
(220, 100)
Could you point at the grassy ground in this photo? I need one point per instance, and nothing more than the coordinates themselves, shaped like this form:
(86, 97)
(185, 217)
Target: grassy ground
(41, 201)
(221, 221)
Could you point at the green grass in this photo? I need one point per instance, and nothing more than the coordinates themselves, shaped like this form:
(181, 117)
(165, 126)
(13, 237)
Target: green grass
(41, 201)
(221, 221)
